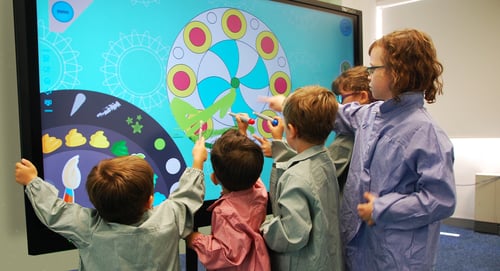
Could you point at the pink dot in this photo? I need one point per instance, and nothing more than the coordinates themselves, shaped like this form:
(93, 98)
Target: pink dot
(280, 85)
(265, 127)
(181, 80)
(267, 45)
(197, 36)
(234, 23)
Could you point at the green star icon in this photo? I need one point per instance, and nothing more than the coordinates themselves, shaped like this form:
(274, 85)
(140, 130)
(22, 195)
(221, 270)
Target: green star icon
(137, 128)
(129, 120)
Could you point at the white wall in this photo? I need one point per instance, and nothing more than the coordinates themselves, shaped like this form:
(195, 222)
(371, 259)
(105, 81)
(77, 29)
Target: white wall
(466, 37)
(466, 34)
(472, 156)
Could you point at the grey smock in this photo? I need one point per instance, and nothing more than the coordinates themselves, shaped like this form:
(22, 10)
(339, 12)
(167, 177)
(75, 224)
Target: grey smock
(151, 244)
(304, 232)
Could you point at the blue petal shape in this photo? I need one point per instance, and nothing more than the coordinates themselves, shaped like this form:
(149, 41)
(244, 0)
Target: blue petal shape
(257, 78)
(227, 50)
(210, 88)
(239, 105)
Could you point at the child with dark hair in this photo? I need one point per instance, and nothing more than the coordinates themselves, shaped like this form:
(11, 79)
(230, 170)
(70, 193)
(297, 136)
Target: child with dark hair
(235, 242)
(124, 231)
(237, 161)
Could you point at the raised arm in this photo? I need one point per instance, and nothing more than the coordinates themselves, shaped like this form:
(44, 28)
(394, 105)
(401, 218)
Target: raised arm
(70, 220)
(188, 197)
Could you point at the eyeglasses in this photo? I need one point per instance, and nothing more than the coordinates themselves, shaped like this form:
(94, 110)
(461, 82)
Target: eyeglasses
(372, 69)
(347, 95)
(343, 97)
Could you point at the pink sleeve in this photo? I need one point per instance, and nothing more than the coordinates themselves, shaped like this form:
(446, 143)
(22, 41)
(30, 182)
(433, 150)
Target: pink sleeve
(227, 246)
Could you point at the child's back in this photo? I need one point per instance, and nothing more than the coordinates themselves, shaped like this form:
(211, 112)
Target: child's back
(305, 198)
(304, 232)
(235, 242)
(149, 242)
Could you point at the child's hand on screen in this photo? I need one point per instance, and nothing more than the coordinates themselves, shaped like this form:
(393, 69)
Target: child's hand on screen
(25, 172)
(275, 102)
(200, 153)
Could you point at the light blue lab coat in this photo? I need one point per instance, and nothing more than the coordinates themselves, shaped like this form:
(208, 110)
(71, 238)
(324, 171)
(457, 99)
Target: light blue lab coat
(406, 160)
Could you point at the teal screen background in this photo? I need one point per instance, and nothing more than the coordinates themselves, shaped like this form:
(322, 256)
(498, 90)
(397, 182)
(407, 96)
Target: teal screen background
(167, 71)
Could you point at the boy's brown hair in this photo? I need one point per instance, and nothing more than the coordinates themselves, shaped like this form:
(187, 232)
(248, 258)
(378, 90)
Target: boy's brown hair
(237, 161)
(312, 110)
(120, 188)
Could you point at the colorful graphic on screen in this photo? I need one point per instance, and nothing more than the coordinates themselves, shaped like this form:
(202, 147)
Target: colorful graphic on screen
(222, 61)
(147, 77)
(84, 127)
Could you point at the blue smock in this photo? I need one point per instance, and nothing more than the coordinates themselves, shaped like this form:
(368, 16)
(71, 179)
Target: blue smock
(406, 160)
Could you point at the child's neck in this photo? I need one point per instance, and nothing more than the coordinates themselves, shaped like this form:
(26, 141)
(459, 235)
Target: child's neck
(301, 145)
(224, 191)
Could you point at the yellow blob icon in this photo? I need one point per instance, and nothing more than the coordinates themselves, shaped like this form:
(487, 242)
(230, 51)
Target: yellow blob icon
(99, 140)
(74, 138)
(50, 143)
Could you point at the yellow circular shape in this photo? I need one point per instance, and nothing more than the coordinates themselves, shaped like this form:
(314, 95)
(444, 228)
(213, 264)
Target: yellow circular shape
(197, 37)
(234, 24)
(280, 84)
(181, 80)
(267, 45)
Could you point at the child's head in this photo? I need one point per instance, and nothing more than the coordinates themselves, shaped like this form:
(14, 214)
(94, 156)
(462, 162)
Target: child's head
(408, 57)
(312, 111)
(121, 188)
(353, 85)
(237, 161)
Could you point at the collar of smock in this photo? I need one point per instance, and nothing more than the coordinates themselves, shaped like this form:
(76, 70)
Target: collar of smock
(312, 151)
(407, 99)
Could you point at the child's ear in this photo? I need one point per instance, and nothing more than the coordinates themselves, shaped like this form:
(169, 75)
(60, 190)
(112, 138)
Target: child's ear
(292, 130)
(214, 180)
(149, 204)
(364, 97)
